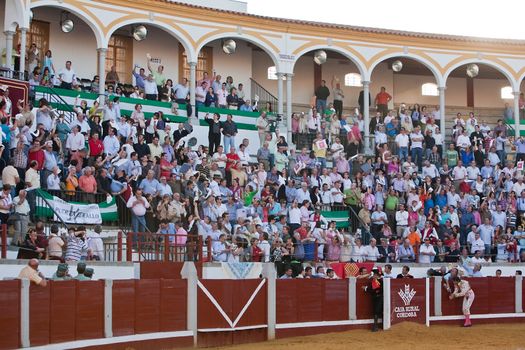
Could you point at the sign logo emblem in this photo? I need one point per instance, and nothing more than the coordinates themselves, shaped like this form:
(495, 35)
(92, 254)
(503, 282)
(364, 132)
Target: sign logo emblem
(407, 295)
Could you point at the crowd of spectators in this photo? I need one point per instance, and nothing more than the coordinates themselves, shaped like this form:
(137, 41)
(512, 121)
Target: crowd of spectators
(417, 199)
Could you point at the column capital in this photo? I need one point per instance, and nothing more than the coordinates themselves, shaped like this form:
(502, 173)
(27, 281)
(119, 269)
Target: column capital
(365, 83)
(289, 76)
(280, 75)
(102, 49)
(9, 33)
(23, 30)
(516, 93)
(442, 88)
(192, 64)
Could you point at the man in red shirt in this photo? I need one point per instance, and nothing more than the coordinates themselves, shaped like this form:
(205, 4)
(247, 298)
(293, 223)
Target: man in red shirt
(96, 147)
(381, 101)
(37, 153)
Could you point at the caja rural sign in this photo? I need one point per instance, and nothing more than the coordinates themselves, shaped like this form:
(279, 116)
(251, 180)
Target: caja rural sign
(408, 300)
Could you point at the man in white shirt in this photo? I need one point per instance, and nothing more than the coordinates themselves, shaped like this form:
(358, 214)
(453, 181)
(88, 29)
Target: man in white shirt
(463, 141)
(95, 244)
(478, 244)
(417, 146)
(67, 76)
(402, 141)
(53, 180)
(371, 251)
(82, 122)
(426, 252)
(472, 172)
(220, 249)
(111, 143)
(401, 220)
(459, 173)
(221, 96)
(430, 170)
(75, 140)
(150, 88)
(519, 186)
(265, 247)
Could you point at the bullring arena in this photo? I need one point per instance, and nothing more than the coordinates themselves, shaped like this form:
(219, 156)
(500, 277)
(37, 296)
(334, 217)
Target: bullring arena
(181, 174)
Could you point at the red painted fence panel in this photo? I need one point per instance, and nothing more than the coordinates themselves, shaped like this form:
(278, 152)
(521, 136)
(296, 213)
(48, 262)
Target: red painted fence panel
(62, 306)
(123, 301)
(39, 322)
(256, 313)
(364, 308)
(10, 314)
(335, 303)
(90, 310)
(286, 301)
(173, 305)
(147, 306)
(502, 295)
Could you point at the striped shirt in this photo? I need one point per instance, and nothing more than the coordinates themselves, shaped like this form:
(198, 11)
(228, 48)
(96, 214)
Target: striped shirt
(76, 248)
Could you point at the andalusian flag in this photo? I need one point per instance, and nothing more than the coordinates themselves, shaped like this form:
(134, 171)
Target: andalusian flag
(54, 207)
(341, 218)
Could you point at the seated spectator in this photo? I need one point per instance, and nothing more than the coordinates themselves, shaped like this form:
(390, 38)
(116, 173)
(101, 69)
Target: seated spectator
(31, 273)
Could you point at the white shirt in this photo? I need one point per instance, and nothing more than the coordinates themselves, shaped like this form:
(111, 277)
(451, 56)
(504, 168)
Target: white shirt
(518, 188)
(150, 87)
(200, 94)
(430, 171)
(402, 218)
(221, 97)
(84, 125)
(472, 173)
(459, 173)
(75, 142)
(265, 247)
(294, 215)
(417, 140)
(477, 245)
(94, 242)
(402, 140)
(463, 141)
(111, 145)
(358, 253)
(380, 138)
(67, 75)
(372, 253)
(429, 249)
(53, 182)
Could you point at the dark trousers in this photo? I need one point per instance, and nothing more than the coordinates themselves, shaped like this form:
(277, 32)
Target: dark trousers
(151, 97)
(65, 85)
(215, 141)
(519, 157)
(338, 105)
(187, 103)
(383, 109)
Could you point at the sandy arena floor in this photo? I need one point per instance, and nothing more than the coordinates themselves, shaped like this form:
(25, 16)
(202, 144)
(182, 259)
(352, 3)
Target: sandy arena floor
(407, 336)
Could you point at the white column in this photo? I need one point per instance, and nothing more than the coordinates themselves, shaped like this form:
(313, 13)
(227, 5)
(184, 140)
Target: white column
(280, 104)
(193, 82)
(366, 114)
(23, 39)
(518, 295)
(102, 75)
(442, 114)
(437, 295)
(517, 127)
(24, 312)
(189, 273)
(270, 274)
(289, 110)
(386, 304)
(9, 34)
(108, 308)
(352, 298)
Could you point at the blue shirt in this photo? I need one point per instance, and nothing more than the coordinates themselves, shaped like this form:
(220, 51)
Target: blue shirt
(149, 186)
(139, 80)
(466, 158)
(486, 172)
(520, 146)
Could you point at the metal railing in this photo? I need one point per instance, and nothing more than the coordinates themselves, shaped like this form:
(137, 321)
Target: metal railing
(61, 105)
(264, 95)
(145, 246)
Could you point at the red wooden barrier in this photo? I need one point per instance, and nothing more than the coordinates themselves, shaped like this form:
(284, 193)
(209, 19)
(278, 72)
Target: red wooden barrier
(335, 302)
(119, 246)
(9, 314)
(62, 306)
(173, 305)
(231, 297)
(3, 243)
(123, 303)
(90, 310)
(407, 300)
(502, 295)
(165, 269)
(147, 306)
(364, 308)
(39, 322)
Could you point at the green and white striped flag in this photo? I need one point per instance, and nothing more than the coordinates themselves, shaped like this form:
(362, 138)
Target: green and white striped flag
(75, 212)
(341, 218)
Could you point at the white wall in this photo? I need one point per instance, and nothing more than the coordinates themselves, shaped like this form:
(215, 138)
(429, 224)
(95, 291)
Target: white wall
(487, 92)
(79, 46)
(237, 65)
(162, 45)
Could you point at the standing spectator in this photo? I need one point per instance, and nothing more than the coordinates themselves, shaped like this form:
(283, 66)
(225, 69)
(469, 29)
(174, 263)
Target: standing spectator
(338, 97)
(381, 101)
(150, 88)
(214, 131)
(56, 245)
(138, 205)
(77, 248)
(229, 130)
(262, 127)
(361, 102)
(416, 148)
(67, 76)
(140, 77)
(321, 94)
